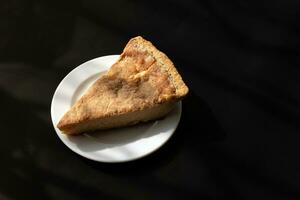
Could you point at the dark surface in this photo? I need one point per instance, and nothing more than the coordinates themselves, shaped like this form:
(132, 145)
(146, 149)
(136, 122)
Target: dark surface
(239, 134)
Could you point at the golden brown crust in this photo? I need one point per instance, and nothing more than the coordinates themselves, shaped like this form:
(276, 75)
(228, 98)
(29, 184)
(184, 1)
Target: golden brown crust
(141, 79)
(167, 64)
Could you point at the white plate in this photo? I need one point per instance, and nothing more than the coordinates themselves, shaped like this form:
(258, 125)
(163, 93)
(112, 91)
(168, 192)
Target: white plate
(116, 145)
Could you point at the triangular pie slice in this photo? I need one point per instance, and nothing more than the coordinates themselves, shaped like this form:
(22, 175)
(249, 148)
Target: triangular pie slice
(142, 85)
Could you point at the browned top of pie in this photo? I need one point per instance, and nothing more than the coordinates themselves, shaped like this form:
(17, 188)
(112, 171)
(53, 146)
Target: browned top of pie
(138, 80)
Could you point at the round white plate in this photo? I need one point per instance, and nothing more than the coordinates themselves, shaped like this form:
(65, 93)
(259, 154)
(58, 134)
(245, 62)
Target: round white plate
(116, 145)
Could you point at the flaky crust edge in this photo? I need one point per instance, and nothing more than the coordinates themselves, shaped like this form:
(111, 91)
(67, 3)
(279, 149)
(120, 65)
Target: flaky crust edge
(164, 61)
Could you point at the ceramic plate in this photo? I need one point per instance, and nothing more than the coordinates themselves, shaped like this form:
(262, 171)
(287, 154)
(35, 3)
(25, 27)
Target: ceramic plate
(116, 145)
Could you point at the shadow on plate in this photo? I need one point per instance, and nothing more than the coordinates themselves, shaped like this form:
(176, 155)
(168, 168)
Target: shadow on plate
(119, 137)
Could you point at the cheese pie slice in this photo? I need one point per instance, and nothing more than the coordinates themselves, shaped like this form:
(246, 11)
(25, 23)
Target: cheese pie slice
(142, 85)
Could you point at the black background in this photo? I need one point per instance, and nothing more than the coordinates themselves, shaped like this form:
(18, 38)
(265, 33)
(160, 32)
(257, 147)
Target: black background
(239, 133)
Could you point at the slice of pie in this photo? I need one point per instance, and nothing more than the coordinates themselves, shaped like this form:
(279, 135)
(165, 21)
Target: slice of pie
(142, 85)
